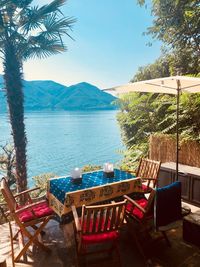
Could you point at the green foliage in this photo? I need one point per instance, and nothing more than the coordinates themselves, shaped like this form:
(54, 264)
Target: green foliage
(41, 181)
(89, 168)
(8, 162)
(7, 167)
(182, 61)
(132, 156)
(145, 114)
(160, 68)
(176, 23)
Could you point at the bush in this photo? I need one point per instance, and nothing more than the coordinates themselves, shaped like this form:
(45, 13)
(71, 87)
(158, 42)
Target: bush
(89, 168)
(41, 181)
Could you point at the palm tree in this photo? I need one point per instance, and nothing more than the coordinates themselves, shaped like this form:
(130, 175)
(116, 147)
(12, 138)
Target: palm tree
(27, 32)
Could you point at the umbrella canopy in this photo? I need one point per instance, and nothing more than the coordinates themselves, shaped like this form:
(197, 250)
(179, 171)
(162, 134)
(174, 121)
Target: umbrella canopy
(169, 85)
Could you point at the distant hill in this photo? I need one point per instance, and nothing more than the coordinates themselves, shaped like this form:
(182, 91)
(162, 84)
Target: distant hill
(49, 95)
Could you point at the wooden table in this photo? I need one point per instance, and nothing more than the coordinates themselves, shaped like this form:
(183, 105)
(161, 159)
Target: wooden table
(94, 188)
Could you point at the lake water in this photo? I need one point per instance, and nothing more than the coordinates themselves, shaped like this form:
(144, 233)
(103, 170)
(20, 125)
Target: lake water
(60, 141)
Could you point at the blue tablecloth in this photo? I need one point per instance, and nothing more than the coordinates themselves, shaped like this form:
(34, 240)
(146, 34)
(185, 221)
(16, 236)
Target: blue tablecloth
(59, 187)
(94, 188)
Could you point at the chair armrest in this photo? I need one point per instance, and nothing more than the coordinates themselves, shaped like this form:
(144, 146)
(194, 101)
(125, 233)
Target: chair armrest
(146, 179)
(152, 179)
(134, 203)
(76, 218)
(30, 206)
(26, 191)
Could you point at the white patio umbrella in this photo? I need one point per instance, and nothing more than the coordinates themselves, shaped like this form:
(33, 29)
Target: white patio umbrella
(168, 85)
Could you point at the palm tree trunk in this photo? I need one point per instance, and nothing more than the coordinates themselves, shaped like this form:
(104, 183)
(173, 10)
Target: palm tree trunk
(15, 101)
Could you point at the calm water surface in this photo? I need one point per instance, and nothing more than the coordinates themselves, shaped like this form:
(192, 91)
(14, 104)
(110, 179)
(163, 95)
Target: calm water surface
(60, 141)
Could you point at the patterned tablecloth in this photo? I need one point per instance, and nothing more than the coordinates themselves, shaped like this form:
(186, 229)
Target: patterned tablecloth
(94, 188)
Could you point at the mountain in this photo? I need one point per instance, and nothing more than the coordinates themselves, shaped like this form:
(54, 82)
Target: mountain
(49, 95)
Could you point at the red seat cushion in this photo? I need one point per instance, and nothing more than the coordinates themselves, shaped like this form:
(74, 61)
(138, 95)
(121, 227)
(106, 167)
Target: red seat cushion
(100, 237)
(146, 188)
(134, 210)
(38, 211)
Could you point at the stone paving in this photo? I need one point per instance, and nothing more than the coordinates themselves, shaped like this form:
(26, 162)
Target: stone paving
(63, 254)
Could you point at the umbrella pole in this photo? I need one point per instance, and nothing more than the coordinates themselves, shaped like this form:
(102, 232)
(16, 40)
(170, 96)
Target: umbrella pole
(177, 127)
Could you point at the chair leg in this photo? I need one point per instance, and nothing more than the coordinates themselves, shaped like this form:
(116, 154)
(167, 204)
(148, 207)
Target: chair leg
(81, 255)
(116, 246)
(11, 243)
(21, 245)
(166, 238)
(141, 250)
(15, 236)
(33, 239)
(35, 228)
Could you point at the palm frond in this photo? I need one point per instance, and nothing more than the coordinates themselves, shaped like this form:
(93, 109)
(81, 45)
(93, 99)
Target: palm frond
(41, 48)
(22, 3)
(29, 19)
(52, 7)
(36, 28)
(33, 17)
(3, 3)
(2, 34)
(57, 27)
(43, 52)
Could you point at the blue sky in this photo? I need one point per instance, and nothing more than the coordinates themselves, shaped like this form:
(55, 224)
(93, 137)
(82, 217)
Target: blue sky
(108, 48)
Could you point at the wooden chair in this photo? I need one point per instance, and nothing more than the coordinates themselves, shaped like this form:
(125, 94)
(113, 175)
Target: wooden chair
(160, 212)
(168, 210)
(148, 170)
(98, 224)
(25, 216)
(140, 215)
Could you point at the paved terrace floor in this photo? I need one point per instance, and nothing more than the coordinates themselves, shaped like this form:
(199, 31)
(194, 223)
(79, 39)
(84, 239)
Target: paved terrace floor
(63, 254)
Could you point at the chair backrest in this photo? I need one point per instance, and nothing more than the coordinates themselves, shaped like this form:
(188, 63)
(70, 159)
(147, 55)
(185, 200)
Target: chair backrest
(102, 218)
(148, 169)
(168, 204)
(8, 196)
